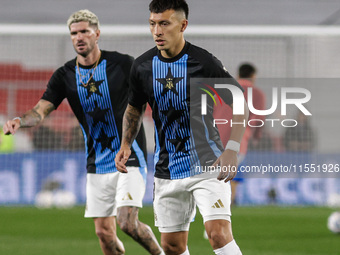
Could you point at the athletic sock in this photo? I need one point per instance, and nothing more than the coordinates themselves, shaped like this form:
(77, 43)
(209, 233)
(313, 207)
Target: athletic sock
(186, 252)
(230, 248)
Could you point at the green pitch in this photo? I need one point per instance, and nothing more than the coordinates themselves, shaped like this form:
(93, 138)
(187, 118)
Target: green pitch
(258, 231)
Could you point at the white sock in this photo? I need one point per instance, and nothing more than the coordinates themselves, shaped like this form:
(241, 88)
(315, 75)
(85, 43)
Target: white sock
(186, 252)
(162, 253)
(230, 248)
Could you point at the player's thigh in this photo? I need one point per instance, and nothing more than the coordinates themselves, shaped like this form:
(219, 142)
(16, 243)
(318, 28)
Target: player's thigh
(174, 205)
(100, 194)
(130, 188)
(213, 199)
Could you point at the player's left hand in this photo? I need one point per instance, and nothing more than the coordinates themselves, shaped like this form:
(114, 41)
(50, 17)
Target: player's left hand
(121, 159)
(228, 165)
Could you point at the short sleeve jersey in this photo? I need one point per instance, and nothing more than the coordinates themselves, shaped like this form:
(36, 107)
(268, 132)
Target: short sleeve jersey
(98, 101)
(165, 84)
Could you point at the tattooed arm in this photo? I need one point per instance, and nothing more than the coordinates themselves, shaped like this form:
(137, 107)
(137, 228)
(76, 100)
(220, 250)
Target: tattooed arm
(31, 118)
(132, 121)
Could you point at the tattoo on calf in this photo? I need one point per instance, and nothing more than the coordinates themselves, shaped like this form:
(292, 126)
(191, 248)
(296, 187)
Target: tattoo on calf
(140, 232)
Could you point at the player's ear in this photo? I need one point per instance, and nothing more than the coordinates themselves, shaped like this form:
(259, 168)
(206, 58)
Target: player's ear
(98, 33)
(184, 25)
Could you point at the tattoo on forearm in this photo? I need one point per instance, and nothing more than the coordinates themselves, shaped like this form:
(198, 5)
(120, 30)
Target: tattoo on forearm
(33, 118)
(131, 123)
(30, 119)
(49, 109)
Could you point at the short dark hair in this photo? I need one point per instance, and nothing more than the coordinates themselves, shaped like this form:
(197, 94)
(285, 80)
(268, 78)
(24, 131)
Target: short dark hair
(159, 6)
(246, 70)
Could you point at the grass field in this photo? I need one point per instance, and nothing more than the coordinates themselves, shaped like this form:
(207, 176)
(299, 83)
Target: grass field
(258, 231)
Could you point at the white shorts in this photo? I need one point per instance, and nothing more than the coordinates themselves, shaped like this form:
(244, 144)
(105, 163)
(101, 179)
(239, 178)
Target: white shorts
(106, 192)
(175, 201)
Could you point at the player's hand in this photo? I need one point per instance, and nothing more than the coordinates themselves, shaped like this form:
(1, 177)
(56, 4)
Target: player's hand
(121, 159)
(11, 126)
(228, 165)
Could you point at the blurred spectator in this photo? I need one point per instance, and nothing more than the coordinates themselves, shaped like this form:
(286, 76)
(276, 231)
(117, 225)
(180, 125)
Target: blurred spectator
(276, 133)
(266, 143)
(301, 137)
(247, 77)
(76, 142)
(72, 132)
(46, 138)
(59, 132)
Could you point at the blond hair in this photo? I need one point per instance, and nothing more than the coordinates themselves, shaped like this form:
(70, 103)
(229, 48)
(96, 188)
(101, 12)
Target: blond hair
(83, 15)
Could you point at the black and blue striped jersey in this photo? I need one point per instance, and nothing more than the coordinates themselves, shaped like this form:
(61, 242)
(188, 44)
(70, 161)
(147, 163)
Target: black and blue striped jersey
(165, 84)
(99, 106)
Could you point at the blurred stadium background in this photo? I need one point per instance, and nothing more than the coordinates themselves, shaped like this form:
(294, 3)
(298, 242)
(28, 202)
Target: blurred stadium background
(292, 43)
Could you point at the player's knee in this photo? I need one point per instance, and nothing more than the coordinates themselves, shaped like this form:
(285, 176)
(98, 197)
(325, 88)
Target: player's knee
(217, 238)
(127, 219)
(104, 234)
(172, 248)
(127, 225)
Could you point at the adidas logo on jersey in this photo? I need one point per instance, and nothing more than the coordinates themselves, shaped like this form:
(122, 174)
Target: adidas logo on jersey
(218, 204)
(127, 196)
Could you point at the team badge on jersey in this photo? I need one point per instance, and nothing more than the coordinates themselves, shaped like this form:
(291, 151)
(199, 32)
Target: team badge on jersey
(93, 88)
(169, 82)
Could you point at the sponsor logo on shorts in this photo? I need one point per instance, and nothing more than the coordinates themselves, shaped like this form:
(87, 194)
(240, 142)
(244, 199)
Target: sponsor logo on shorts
(218, 204)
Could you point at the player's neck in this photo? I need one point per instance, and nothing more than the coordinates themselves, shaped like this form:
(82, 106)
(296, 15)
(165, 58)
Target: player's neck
(174, 51)
(90, 59)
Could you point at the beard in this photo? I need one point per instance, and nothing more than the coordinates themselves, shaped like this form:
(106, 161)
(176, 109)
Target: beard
(86, 51)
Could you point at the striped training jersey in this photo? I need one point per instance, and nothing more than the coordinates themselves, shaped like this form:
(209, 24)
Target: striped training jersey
(99, 100)
(165, 84)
